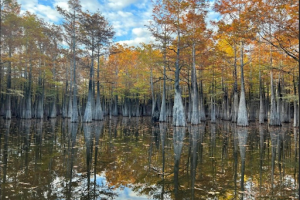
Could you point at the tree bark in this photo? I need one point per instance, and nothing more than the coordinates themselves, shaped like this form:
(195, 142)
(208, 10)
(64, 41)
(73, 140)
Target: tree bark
(261, 101)
(178, 109)
(74, 117)
(163, 113)
(235, 89)
(99, 112)
(194, 92)
(202, 114)
(274, 119)
(8, 87)
(242, 119)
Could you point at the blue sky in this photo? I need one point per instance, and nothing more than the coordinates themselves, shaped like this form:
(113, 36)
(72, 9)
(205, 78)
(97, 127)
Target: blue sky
(128, 17)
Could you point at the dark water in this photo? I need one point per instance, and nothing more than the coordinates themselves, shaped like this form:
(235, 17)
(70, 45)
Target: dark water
(132, 159)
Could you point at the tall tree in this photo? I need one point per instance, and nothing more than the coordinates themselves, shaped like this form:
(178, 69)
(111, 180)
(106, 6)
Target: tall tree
(96, 32)
(176, 9)
(234, 11)
(162, 31)
(53, 32)
(72, 18)
(10, 32)
(195, 32)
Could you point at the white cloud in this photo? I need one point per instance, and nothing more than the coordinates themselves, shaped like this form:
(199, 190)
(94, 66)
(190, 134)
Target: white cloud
(139, 35)
(141, 32)
(137, 40)
(46, 12)
(61, 3)
(120, 4)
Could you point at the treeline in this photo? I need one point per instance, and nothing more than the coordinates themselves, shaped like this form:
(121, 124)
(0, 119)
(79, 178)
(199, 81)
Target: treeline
(244, 68)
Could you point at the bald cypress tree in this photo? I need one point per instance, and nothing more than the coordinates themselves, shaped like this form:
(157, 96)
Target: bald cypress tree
(71, 17)
(96, 32)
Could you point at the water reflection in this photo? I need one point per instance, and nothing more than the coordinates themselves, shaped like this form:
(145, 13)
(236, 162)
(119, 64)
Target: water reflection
(296, 140)
(242, 137)
(274, 133)
(178, 136)
(194, 137)
(135, 159)
(25, 125)
(72, 131)
(87, 129)
(213, 151)
(235, 158)
(162, 132)
(5, 150)
(262, 148)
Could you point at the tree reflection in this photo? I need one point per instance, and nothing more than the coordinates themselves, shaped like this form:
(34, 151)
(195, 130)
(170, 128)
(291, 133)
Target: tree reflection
(154, 139)
(38, 139)
(72, 129)
(162, 131)
(98, 131)
(282, 140)
(242, 137)
(26, 125)
(225, 140)
(194, 137)
(5, 157)
(87, 128)
(178, 135)
(261, 153)
(95, 164)
(274, 133)
(235, 157)
(200, 141)
(213, 149)
(296, 131)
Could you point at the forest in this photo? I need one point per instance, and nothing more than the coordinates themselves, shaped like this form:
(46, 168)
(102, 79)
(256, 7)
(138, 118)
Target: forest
(244, 68)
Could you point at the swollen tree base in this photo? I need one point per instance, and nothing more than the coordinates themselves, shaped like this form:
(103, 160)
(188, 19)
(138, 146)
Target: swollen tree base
(242, 119)
(178, 111)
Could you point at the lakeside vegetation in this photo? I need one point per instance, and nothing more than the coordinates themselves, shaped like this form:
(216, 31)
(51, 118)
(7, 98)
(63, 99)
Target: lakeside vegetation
(244, 69)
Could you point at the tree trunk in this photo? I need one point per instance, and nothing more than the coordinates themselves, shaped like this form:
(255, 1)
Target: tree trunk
(88, 108)
(213, 102)
(74, 116)
(235, 89)
(178, 109)
(261, 101)
(194, 92)
(296, 114)
(90, 104)
(296, 108)
(99, 112)
(274, 118)
(163, 113)
(225, 106)
(202, 114)
(278, 95)
(152, 92)
(242, 119)
(212, 110)
(40, 103)
(93, 99)
(189, 114)
(53, 111)
(28, 110)
(266, 103)
(8, 88)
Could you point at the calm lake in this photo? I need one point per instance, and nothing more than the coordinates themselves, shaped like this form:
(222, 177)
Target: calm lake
(126, 158)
